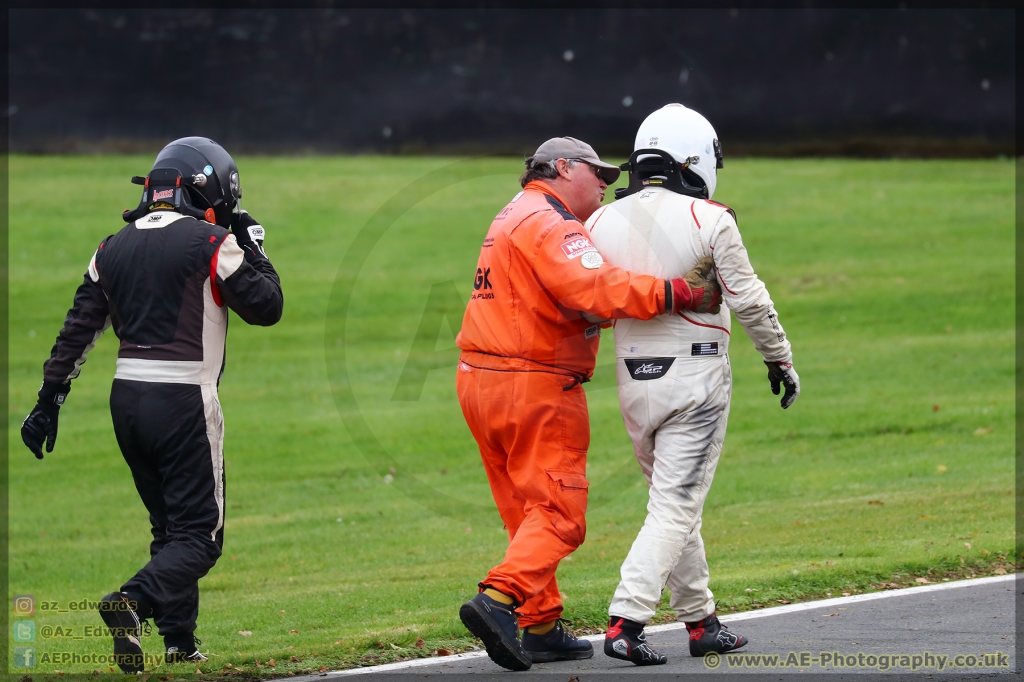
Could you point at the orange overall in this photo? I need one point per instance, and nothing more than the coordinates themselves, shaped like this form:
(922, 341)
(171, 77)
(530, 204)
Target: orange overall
(526, 349)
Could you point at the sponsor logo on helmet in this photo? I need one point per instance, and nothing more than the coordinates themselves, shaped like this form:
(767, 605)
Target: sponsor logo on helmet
(653, 142)
(208, 169)
(163, 194)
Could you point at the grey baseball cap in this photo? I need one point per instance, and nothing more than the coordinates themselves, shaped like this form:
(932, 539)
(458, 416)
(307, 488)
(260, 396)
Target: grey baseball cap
(571, 148)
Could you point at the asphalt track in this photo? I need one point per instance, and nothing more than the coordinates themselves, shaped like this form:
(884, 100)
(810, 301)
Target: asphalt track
(919, 629)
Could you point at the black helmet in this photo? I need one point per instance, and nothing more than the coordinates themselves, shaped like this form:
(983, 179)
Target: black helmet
(195, 175)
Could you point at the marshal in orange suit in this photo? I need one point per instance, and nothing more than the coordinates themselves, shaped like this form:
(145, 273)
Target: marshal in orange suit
(526, 351)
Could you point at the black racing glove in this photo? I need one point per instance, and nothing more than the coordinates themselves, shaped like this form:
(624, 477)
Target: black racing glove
(782, 373)
(249, 235)
(41, 423)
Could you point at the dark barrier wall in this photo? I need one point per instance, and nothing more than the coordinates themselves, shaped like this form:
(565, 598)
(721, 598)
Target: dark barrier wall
(875, 82)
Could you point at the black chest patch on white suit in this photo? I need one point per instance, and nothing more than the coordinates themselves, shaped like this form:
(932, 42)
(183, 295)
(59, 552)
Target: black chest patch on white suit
(645, 369)
(704, 348)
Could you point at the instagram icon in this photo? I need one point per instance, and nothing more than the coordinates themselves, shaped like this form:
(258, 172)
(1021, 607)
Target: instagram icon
(24, 605)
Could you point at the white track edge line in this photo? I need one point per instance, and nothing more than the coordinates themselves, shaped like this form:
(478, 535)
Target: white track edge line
(749, 615)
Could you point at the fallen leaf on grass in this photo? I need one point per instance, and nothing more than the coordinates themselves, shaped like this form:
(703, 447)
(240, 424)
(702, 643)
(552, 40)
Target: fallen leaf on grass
(272, 663)
(846, 594)
(922, 581)
(443, 652)
(419, 643)
(295, 659)
(782, 601)
(322, 669)
(245, 633)
(1000, 571)
(982, 431)
(293, 632)
(876, 502)
(395, 646)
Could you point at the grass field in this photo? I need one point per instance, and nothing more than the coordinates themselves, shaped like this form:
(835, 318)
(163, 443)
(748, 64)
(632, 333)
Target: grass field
(358, 515)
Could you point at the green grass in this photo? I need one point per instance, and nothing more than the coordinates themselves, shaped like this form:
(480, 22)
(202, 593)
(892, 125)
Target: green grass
(894, 280)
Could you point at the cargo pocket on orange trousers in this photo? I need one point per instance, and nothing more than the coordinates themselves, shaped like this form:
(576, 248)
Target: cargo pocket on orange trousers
(569, 495)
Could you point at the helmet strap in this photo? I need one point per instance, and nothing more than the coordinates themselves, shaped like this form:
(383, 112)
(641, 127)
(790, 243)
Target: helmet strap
(163, 186)
(666, 173)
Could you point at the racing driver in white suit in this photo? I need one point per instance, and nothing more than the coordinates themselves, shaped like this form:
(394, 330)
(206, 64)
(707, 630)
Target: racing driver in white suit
(673, 371)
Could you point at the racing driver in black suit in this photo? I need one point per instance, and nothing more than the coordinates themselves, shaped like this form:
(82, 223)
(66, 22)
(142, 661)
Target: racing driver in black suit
(165, 283)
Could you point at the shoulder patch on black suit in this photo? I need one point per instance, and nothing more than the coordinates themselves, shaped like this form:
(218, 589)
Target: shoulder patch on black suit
(645, 369)
(558, 206)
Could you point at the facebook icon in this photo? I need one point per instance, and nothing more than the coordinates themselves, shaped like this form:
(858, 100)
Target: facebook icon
(24, 657)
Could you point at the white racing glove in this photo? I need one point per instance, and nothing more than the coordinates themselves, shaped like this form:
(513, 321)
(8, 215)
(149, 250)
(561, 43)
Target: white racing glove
(782, 373)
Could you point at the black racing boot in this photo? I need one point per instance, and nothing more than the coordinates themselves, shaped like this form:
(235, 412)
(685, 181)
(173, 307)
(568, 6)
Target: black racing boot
(558, 644)
(123, 622)
(496, 624)
(626, 640)
(183, 649)
(709, 635)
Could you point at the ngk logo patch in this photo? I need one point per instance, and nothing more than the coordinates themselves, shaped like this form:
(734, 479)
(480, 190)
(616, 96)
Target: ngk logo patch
(577, 247)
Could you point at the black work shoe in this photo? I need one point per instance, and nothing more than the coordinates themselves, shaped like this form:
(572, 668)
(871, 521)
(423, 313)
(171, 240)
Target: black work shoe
(626, 640)
(184, 651)
(558, 644)
(496, 624)
(125, 627)
(709, 635)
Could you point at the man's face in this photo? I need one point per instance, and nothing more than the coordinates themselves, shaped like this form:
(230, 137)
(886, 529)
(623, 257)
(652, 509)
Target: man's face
(583, 187)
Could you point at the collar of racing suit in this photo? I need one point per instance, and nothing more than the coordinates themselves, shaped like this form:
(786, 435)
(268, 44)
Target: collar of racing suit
(541, 186)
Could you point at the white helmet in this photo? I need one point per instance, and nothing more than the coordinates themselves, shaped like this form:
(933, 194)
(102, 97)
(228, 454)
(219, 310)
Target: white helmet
(687, 136)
